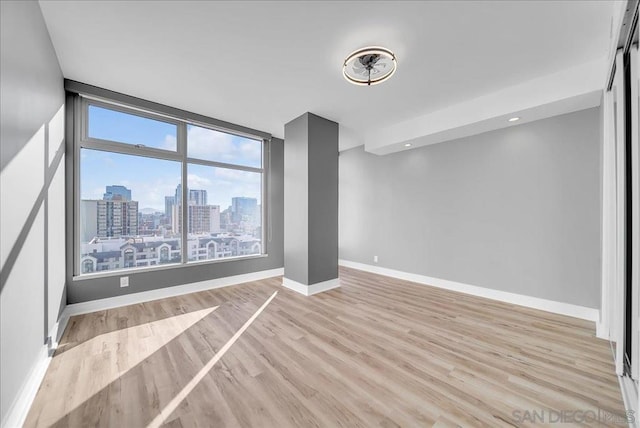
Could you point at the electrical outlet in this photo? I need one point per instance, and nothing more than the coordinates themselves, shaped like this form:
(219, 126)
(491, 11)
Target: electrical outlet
(124, 281)
(375, 259)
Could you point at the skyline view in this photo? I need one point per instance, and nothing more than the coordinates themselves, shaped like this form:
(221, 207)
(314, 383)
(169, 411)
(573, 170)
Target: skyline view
(115, 234)
(131, 210)
(152, 179)
(235, 210)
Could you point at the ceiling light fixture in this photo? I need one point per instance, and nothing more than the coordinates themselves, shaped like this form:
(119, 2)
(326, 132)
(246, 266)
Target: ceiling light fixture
(514, 119)
(408, 145)
(369, 66)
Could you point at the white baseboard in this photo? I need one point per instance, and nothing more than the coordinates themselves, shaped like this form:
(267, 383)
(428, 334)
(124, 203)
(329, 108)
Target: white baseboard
(147, 296)
(18, 411)
(310, 290)
(561, 308)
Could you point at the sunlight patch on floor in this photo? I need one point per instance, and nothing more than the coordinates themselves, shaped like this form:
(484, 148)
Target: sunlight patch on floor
(175, 402)
(119, 350)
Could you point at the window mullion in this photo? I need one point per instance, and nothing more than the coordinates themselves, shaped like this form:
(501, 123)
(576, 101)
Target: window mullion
(184, 222)
(265, 219)
(79, 126)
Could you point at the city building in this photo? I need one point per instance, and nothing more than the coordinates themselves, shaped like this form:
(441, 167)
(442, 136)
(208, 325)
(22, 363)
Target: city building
(104, 254)
(89, 220)
(201, 219)
(169, 202)
(222, 245)
(244, 210)
(117, 218)
(197, 197)
(116, 192)
(225, 220)
(114, 216)
(149, 223)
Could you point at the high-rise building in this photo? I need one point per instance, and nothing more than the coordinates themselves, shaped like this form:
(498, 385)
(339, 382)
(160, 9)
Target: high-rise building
(177, 198)
(117, 218)
(243, 209)
(201, 219)
(197, 197)
(215, 219)
(113, 216)
(116, 192)
(225, 219)
(88, 220)
(176, 219)
(169, 202)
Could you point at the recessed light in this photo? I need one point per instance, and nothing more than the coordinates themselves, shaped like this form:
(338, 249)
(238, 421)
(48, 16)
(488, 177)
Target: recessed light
(369, 66)
(408, 145)
(514, 119)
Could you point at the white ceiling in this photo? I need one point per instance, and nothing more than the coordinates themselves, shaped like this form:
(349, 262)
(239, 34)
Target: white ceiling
(261, 64)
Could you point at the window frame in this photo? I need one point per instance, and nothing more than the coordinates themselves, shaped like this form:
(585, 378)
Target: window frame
(81, 140)
(86, 102)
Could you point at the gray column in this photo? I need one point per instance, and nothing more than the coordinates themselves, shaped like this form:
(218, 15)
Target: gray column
(311, 204)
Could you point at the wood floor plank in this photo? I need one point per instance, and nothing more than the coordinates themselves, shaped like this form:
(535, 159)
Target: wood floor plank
(376, 352)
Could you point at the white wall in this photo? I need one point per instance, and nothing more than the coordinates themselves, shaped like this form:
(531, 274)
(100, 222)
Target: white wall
(32, 204)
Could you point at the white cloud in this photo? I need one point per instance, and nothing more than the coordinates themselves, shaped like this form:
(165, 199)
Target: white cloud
(223, 184)
(95, 193)
(237, 175)
(170, 143)
(251, 150)
(151, 193)
(196, 182)
(217, 146)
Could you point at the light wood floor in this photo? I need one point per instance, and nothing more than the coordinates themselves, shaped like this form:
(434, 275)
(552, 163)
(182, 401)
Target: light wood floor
(375, 352)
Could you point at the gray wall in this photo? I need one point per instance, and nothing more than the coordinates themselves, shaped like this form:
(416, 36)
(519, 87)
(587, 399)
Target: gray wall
(311, 199)
(32, 194)
(323, 199)
(296, 234)
(516, 209)
(98, 288)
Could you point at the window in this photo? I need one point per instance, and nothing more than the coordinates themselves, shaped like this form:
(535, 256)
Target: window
(132, 168)
(216, 146)
(233, 215)
(118, 219)
(111, 125)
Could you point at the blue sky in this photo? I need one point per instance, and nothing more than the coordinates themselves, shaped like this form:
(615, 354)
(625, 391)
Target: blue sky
(150, 180)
